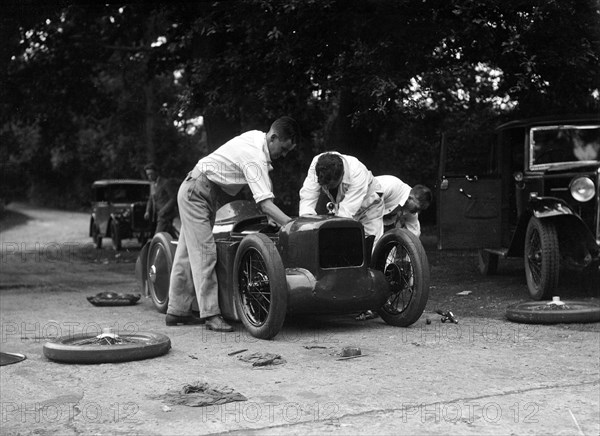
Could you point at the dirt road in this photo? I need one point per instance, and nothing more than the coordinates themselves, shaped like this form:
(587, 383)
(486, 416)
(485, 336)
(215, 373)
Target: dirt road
(483, 376)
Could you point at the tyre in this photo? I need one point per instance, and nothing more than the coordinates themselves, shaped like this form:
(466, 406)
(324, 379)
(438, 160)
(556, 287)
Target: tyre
(107, 348)
(487, 263)
(542, 258)
(115, 234)
(260, 286)
(538, 312)
(401, 257)
(160, 261)
(96, 236)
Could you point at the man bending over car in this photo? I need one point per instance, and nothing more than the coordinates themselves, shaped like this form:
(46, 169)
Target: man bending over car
(244, 160)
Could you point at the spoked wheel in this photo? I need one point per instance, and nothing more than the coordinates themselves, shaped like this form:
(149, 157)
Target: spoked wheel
(542, 258)
(115, 234)
(260, 286)
(487, 263)
(107, 347)
(554, 312)
(402, 258)
(160, 261)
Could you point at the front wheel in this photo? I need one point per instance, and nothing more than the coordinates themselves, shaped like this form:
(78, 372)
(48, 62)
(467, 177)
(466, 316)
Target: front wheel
(160, 261)
(401, 257)
(542, 258)
(260, 286)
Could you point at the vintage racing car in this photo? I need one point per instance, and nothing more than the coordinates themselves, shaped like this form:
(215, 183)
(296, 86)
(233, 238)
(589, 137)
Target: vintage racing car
(312, 265)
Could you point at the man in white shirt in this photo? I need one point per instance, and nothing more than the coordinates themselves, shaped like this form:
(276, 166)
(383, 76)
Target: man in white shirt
(402, 203)
(351, 188)
(244, 160)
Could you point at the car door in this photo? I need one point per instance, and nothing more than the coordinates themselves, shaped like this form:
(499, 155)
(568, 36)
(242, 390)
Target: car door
(469, 193)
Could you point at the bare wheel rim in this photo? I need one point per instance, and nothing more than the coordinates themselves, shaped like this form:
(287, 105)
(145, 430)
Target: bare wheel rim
(399, 273)
(254, 288)
(159, 273)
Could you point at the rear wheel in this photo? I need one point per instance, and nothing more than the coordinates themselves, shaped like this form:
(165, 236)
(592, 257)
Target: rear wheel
(402, 258)
(260, 286)
(160, 261)
(115, 234)
(542, 258)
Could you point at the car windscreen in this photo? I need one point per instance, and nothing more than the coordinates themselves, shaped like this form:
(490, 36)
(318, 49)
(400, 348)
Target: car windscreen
(554, 145)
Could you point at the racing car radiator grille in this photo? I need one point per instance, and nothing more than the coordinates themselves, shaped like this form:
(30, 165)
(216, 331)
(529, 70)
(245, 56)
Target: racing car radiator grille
(340, 247)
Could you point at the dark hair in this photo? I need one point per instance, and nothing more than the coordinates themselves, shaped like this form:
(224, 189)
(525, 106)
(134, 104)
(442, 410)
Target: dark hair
(150, 166)
(287, 128)
(329, 168)
(423, 195)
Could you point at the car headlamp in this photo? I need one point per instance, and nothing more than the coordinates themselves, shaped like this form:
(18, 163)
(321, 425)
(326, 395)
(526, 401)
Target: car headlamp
(582, 189)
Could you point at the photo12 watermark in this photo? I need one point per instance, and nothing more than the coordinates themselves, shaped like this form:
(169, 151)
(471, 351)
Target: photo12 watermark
(51, 330)
(50, 412)
(470, 412)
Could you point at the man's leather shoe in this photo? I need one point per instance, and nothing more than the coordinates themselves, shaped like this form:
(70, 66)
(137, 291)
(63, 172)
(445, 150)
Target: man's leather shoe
(218, 324)
(182, 320)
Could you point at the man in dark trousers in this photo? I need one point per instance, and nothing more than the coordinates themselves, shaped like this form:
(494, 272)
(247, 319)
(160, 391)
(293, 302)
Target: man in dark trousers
(162, 203)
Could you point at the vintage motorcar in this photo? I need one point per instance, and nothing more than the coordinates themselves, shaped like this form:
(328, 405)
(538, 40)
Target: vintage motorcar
(312, 265)
(118, 208)
(530, 190)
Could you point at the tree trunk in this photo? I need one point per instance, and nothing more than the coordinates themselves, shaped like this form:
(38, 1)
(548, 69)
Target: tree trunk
(149, 124)
(356, 141)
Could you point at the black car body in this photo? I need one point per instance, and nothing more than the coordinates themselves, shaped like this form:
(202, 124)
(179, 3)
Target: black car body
(530, 190)
(118, 208)
(312, 265)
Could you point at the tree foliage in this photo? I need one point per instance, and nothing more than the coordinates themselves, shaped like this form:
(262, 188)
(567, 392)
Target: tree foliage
(96, 90)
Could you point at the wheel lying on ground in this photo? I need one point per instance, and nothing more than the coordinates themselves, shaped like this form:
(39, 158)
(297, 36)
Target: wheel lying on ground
(542, 258)
(107, 347)
(260, 286)
(487, 263)
(160, 261)
(115, 234)
(402, 258)
(548, 312)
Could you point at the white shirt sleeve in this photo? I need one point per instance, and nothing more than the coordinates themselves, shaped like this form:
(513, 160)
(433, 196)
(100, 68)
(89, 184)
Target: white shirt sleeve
(309, 193)
(412, 223)
(358, 187)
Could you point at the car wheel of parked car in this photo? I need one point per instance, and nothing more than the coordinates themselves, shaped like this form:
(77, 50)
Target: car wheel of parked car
(96, 237)
(487, 263)
(542, 258)
(107, 347)
(402, 258)
(260, 286)
(160, 261)
(539, 312)
(115, 234)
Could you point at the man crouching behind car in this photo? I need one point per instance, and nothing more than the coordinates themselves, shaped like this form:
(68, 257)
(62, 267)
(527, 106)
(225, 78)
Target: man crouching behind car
(244, 160)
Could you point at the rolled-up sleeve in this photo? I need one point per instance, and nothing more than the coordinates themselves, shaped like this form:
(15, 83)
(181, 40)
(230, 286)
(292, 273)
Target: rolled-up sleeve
(309, 193)
(256, 173)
